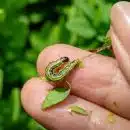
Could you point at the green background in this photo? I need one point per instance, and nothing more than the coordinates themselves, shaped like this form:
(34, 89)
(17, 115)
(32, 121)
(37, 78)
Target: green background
(28, 26)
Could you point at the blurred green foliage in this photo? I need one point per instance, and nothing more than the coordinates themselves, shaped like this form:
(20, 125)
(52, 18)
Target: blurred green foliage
(28, 26)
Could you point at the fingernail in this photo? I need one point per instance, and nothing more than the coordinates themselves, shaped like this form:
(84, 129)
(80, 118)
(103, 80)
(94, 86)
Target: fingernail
(120, 18)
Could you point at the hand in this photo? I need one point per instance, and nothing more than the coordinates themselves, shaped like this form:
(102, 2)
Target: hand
(103, 85)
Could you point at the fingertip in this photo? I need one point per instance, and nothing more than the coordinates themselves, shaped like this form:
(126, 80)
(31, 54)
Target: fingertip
(120, 20)
(32, 95)
(120, 13)
(116, 7)
(25, 90)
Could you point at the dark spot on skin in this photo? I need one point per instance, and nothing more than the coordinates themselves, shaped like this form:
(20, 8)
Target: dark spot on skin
(65, 59)
(115, 104)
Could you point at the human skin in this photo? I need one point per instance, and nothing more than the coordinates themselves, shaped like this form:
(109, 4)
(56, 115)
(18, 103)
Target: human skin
(101, 86)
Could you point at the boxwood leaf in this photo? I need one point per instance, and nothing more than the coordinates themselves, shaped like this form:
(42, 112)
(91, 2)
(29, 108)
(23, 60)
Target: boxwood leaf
(78, 110)
(55, 96)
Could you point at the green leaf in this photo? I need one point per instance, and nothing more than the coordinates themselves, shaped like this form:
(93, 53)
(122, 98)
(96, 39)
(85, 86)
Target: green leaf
(86, 6)
(81, 27)
(31, 55)
(105, 10)
(2, 15)
(93, 46)
(33, 1)
(19, 32)
(36, 17)
(107, 41)
(78, 110)
(1, 82)
(55, 96)
(15, 4)
(46, 28)
(37, 41)
(16, 107)
(54, 35)
(71, 12)
(26, 69)
(33, 125)
(64, 33)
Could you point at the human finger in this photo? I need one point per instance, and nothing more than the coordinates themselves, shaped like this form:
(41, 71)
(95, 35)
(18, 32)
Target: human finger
(99, 80)
(59, 118)
(120, 34)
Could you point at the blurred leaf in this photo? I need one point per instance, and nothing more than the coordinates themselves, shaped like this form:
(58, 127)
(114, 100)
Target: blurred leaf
(24, 19)
(107, 53)
(31, 55)
(72, 12)
(107, 41)
(54, 35)
(10, 55)
(15, 102)
(1, 62)
(87, 6)
(2, 15)
(15, 4)
(45, 29)
(104, 10)
(55, 96)
(40, 40)
(81, 27)
(73, 38)
(1, 82)
(33, 1)
(37, 41)
(64, 33)
(26, 69)
(33, 125)
(19, 31)
(12, 73)
(93, 45)
(35, 17)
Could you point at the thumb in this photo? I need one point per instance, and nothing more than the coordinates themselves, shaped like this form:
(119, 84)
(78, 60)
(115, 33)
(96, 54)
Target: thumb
(120, 35)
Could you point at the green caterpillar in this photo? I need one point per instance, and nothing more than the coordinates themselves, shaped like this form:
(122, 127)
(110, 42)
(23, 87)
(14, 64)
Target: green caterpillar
(63, 65)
